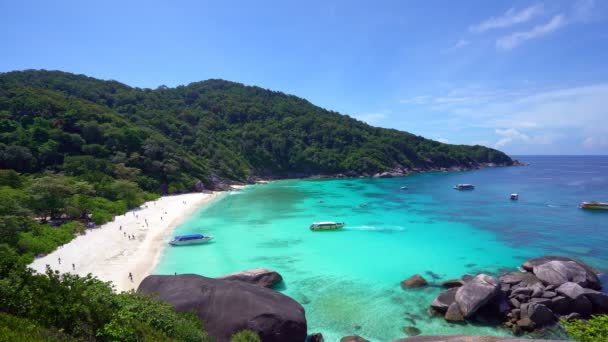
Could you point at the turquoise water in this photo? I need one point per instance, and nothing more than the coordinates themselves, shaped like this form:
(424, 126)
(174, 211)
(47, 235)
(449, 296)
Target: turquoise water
(348, 280)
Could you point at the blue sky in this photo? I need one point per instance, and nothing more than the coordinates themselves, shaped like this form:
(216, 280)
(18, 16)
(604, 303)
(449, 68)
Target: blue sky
(527, 77)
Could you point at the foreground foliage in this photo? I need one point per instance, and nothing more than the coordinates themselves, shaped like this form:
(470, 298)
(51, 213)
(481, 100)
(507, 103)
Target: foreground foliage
(593, 330)
(53, 307)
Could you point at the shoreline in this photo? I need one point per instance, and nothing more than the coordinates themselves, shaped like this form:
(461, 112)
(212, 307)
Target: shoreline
(108, 254)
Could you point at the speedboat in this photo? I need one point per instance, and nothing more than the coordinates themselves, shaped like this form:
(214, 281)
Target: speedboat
(594, 205)
(328, 225)
(404, 188)
(464, 187)
(191, 239)
(514, 197)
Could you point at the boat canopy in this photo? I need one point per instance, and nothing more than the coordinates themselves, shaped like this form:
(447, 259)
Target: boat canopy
(189, 237)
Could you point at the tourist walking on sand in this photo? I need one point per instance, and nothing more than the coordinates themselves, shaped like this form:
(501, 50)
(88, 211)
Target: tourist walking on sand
(59, 261)
(130, 276)
(73, 267)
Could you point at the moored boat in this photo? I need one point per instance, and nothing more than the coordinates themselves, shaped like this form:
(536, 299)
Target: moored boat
(328, 225)
(191, 239)
(594, 205)
(514, 197)
(464, 187)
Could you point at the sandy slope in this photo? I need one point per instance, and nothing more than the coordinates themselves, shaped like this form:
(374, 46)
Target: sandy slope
(108, 254)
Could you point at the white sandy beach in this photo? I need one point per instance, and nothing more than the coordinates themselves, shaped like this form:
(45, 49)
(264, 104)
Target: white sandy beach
(108, 254)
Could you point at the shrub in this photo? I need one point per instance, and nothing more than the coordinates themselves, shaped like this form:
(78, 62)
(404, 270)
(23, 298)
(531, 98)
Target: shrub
(593, 330)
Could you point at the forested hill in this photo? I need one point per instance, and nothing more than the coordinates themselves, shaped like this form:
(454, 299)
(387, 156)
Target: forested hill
(169, 138)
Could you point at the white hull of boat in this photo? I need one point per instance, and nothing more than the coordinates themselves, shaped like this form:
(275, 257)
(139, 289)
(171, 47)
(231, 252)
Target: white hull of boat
(191, 242)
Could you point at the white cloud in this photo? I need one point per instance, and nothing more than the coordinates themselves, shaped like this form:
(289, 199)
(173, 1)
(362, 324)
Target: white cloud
(513, 40)
(510, 18)
(596, 142)
(561, 120)
(509, 135)
(461, 43)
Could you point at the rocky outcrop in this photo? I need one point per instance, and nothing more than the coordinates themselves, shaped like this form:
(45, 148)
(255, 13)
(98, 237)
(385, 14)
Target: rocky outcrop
(592, 279)
(316, 337)
(256, 276)
(557, 272)
(444, 300)
(414, 281)
(475, 293)
(552, 288)
(452, 283)
(226, 307)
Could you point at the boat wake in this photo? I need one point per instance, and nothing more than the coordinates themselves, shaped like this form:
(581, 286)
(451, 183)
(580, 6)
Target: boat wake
(376, 228)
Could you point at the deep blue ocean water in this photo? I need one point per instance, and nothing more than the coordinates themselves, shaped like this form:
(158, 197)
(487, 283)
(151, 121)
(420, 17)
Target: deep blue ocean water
(348, 281)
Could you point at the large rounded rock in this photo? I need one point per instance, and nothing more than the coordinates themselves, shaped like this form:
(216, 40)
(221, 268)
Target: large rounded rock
(598, 299)
(592, 279)
(443, 301)
(523, 278)
(475, 293)
(453, 314)
(256, 276)
(226, 307)
(452, 283)
(537, 313)
(570, 290)
(558, 272)
(414, 281)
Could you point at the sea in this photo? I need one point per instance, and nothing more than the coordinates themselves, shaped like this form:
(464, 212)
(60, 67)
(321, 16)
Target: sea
(348, 281)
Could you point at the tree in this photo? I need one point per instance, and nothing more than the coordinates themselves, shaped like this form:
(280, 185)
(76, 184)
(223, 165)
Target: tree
(48, 195)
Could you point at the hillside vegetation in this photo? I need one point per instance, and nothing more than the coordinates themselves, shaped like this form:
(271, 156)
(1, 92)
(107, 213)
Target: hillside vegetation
(168, 139)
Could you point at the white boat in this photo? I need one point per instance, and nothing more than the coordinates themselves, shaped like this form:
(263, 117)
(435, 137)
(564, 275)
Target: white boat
(514, 197)
(191, 239)
(464, 187)
(328, 225)
(404, 188)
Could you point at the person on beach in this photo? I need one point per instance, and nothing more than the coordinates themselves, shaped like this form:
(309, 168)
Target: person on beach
(124, 233)
(59, 261)
(130, 276)
(73, 267)
(120, 228)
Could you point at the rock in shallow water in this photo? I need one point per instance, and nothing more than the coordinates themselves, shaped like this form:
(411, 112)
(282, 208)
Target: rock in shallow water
(559, 272)
(226, 307)
(444, 299)
(452, 283)
(256, 276)
(475, 293)
(592, 280)
(453, 314)
(414, 281)
(411, 331)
